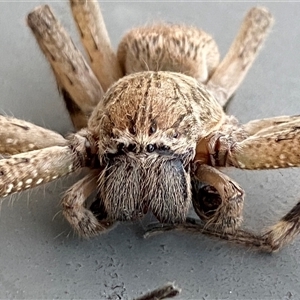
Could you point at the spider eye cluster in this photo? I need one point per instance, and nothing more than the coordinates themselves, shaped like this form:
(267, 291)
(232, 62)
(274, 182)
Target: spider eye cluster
(122, 148)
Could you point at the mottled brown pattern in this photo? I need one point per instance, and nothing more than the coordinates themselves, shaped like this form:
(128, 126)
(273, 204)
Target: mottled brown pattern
(278, 145)
(175, 48)
(241, 54)
(191, 115)
(19, 136)
(156, 137)
(96, 42)
(27, 170)
(72, 72)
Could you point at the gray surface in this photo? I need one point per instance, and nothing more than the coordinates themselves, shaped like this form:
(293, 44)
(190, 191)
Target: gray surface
(41, 258)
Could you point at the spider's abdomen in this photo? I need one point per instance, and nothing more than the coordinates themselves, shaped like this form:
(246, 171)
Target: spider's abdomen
(167, 47)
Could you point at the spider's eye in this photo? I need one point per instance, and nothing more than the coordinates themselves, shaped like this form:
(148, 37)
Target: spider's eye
(152, 128)
(175, 135)
(120, 147)
(164, 148)
(131, 148)
(150, 148)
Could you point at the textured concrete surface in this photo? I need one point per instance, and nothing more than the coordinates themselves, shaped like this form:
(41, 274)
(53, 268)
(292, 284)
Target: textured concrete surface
(39, 255)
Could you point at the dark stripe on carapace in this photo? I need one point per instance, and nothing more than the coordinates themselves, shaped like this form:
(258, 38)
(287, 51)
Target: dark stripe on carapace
(80, 31)
(132, 125)
(187, 104)
(153, 127)
(144, 108)
(178, 121)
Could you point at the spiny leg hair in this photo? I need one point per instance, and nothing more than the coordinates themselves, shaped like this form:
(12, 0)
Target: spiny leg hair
(85, 223)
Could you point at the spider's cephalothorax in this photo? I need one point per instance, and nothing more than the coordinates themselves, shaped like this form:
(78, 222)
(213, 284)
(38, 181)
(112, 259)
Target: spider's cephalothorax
(147, 127)
(152, 130)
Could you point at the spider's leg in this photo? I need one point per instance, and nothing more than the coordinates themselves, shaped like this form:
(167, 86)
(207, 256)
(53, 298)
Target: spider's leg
(167, 291)
(271, 125)
(220, 204)
(27, 170)
(272, 240)
(95, 39)
(86, 222)
(274, 143)
(239, 236)
(284, 231)
(261, 144)
(233, 68)
(274, 146)
(17, 136)
(75, 79)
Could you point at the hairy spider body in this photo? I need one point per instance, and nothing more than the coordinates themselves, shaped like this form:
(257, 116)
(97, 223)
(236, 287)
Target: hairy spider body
(149, 124)
(152, 130)
(169, 47)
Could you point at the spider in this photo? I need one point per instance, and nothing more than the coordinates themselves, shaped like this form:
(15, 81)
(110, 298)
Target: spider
(151, 129)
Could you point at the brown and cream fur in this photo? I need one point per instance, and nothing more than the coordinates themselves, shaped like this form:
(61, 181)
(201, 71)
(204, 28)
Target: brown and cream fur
(152, 129)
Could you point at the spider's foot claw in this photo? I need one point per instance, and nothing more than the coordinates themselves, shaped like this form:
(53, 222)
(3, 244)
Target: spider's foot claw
(157, 228)
(85, 223)
(167, 291)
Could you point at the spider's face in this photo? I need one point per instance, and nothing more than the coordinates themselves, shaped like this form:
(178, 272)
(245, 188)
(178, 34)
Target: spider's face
(133, 183)
(147, 128)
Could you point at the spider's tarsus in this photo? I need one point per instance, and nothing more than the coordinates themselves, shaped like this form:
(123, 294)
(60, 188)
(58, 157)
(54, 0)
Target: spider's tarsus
(167, 291)
(157, 228)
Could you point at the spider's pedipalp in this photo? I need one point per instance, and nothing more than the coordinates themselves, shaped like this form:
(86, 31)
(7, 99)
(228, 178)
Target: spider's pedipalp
(221, 210)
(244, 49)
(83, 220)
(18, 136)
(30, 169)
(77, 82)
(95, 39)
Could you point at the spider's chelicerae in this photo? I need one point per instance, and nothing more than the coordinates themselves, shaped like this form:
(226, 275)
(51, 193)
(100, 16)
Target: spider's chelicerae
(151, 128)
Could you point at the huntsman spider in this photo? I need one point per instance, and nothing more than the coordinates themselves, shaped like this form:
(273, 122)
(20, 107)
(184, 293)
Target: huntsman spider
(151, 129)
